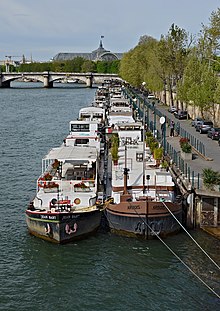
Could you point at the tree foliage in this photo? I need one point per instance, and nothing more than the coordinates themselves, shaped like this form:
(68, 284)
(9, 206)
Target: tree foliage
(179, 62)
(77, 64)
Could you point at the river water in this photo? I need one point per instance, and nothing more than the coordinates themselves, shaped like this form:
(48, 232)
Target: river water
(104, 272)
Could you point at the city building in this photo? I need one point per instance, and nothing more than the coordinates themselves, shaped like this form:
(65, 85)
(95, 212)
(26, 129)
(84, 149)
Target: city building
(99, 54)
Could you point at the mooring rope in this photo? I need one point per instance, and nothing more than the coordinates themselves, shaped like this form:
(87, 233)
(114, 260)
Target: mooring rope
(191, 236)
(198, 277)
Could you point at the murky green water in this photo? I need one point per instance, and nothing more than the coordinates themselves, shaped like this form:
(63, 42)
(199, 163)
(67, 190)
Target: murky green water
(104, 272)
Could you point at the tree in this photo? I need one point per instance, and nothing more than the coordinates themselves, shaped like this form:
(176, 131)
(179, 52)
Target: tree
(102, 66)
(130, 66)
(173, 52)
(217, 93)
(209, 38)
(88, 66)
(198, 86)
(113, 66)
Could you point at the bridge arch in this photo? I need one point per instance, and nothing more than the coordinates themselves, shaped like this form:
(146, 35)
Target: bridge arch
(47, 78)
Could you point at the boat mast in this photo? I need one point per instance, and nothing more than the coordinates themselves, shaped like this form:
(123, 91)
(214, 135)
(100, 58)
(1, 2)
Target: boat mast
(126, 170)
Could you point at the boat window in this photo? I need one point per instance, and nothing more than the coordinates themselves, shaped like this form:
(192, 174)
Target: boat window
(128, 140)
(79, 127)
(84, 141)
(139, 156)
(85, 116)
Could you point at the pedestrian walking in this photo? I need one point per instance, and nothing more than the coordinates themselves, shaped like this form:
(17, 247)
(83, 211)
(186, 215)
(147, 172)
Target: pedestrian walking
(172, 128)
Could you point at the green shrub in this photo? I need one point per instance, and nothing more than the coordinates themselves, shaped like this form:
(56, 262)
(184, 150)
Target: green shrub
(210, 178)
(158, 153)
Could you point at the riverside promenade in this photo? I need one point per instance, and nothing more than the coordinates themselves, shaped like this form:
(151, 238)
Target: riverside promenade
(203, 205)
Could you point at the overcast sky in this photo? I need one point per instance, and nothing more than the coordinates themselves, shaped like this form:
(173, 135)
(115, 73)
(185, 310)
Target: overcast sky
(43, 28)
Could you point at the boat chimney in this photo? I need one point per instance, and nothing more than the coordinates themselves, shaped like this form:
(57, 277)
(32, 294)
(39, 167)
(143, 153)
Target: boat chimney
(125, 180)
(126, 170)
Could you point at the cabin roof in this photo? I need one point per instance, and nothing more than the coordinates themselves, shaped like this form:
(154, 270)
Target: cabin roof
(72, 153)
(91, 109)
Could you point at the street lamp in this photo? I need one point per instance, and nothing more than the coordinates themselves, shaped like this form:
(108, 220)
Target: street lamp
(143, 84)
(135, 102)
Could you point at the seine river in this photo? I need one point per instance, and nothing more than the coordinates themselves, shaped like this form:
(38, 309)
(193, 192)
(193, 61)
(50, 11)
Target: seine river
(104, 272)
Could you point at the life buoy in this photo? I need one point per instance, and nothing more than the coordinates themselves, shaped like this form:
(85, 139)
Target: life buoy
(77, 201)
(41, 182)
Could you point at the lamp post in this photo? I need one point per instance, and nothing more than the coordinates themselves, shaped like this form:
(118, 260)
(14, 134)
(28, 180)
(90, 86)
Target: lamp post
(163, 130)
(135, 102)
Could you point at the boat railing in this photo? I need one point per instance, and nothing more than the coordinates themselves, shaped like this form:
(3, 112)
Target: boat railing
(57, 185)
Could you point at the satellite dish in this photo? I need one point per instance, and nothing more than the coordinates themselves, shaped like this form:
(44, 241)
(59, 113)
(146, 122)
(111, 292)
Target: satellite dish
(162, 120)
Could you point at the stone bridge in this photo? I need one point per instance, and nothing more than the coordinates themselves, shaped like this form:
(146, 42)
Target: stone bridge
(48, 77)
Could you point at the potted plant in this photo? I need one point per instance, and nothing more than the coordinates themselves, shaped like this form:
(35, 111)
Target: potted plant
(186, 148)
(81, 187)
(158, 155)
(55, 164)
(164, 165)
(51, 187)
(114, 153)
(210, 178)
(153, 145)
(114, 148)
(48, 177)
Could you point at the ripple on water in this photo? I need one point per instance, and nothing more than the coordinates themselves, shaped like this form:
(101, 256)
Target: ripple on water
(104, 272)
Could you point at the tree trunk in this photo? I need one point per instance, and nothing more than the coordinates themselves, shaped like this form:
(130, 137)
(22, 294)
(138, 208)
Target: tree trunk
(171, 93)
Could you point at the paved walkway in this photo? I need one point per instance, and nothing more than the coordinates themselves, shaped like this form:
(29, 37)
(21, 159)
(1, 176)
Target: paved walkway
(212, 149)
(198, 162)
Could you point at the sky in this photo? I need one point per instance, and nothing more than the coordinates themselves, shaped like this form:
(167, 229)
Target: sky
(43, 28)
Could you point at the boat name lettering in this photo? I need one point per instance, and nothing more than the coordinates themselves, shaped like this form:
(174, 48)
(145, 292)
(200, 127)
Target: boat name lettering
(134, 207)
(66, 217)
(52, 217)
(48, 217)
(158, 207)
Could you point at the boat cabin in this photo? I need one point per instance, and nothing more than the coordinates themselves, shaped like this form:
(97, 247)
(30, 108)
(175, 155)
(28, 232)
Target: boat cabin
(68, 172)
(92, 114)
(85, 134)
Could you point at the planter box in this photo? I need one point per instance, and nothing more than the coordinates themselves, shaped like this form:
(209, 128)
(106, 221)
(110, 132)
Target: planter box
(51, 190)
(186, 156)
(78, 189)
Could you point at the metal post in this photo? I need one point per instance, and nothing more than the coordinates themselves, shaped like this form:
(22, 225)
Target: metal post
(144, 150)
(192, 179)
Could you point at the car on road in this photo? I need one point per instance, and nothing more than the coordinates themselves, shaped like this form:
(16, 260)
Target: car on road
(181, 114)
(214, 133)
(172, 109)
(204, 126)
(196, 121)
(151, 96)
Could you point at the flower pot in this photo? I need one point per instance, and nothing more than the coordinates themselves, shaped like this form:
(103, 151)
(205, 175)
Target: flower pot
(186, 155)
